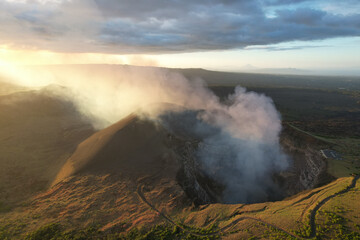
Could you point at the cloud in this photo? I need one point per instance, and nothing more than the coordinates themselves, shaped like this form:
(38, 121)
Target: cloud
(281, 48)
(160, 26)
(284, 2)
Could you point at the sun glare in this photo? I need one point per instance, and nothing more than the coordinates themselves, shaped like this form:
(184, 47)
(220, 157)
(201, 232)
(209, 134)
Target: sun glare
(9, 56)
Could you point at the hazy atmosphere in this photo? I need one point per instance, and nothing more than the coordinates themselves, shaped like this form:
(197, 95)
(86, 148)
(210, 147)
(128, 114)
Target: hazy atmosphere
(168, 119)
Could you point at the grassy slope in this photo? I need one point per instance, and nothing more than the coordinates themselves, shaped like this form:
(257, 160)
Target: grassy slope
(93, 204)
(290, 215)
(113, 205)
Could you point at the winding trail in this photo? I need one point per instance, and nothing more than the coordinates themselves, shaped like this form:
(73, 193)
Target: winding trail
(322, 202)
(315, 199)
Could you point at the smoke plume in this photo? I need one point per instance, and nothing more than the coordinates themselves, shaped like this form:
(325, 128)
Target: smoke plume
(240, 138)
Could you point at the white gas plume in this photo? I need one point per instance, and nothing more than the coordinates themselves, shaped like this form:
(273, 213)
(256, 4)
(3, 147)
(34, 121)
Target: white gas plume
(245, 144)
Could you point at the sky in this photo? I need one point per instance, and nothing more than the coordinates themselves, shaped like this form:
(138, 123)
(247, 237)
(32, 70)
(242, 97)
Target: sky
(322, 36)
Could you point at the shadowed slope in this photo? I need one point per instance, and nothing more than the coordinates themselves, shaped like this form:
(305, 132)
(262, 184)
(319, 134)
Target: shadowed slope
(38, 133)
(131, 147)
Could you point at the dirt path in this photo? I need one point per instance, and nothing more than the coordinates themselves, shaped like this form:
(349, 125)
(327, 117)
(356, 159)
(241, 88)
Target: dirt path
(315, 199)
(322, 202)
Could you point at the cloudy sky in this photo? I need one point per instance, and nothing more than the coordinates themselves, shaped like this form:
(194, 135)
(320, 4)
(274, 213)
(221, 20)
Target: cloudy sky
(214, 34)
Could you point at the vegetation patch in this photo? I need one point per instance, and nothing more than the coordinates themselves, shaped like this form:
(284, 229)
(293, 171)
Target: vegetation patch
(55, 231)
(335, 226)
